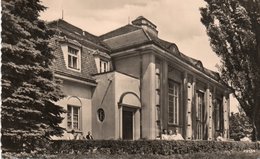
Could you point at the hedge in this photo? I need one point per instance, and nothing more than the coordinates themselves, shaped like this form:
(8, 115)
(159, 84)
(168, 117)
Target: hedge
(159, 147)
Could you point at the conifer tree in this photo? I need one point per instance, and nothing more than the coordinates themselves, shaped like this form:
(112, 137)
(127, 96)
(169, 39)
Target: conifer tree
(29, 89)
(234, 30)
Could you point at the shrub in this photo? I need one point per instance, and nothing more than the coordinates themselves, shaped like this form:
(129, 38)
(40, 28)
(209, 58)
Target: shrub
(146, 147)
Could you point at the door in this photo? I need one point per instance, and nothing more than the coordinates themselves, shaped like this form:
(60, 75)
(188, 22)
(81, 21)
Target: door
(200, 116)
(127, 125)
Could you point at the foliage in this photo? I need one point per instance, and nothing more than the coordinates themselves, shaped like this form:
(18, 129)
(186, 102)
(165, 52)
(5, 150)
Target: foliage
(29, 89)
(158, 147)
(239, 126)
(201, 155)
(234, 30)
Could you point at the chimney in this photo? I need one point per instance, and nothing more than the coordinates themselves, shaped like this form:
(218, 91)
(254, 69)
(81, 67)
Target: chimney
(146, 25)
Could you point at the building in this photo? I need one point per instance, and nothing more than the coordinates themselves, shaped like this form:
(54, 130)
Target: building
(130, 84)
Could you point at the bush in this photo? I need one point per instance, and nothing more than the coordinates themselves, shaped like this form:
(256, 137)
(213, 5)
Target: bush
(146, 147)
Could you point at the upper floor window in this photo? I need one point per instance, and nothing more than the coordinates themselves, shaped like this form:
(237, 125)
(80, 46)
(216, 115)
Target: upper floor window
(104, 66)
(174, 102)
(73, 58)
(73, 115)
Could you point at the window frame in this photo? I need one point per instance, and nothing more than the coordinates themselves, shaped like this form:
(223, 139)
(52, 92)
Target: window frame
(76, 55)
(104, 65)
(219, 115)
(71, 56)
(73, 107)
(175, 102)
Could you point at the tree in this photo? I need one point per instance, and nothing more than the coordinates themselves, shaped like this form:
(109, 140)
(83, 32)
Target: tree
(29, 89)
(239, 126)
(233, 27)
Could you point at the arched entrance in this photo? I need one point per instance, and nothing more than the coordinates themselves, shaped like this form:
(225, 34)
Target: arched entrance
(129, 109)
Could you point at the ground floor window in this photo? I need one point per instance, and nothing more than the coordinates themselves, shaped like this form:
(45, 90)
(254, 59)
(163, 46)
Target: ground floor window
(219, 115)
(200, 116)
(73, 117)
(174, 102)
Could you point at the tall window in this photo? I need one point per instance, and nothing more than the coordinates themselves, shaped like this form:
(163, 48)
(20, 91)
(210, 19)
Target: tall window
(73, 58)
(104, 66)
(174, 102)
(219, 115)
(200, 115)
(73, 117)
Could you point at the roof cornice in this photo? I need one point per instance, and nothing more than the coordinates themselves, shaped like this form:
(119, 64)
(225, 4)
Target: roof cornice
(144, 48)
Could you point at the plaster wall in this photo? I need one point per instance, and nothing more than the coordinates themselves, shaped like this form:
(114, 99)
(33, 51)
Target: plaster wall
(104, 98)
(126, 84)
(81, 94)
(129, 65)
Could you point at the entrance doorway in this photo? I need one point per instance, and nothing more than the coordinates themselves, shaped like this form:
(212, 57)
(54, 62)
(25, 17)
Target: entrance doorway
(127, 124)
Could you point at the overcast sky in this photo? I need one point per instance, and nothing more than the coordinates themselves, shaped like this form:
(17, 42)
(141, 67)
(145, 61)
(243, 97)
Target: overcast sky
(177, 21)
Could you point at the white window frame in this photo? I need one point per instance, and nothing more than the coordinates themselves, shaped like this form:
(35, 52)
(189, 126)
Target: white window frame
(104, 66)
(73, 108)
(65, 49)
(174, 104)
(71, 55)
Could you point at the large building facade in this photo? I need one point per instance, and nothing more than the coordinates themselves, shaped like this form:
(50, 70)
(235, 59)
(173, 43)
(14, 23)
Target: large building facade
(130, 84)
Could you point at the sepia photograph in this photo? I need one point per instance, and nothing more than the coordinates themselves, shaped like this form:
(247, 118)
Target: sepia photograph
(130, 79)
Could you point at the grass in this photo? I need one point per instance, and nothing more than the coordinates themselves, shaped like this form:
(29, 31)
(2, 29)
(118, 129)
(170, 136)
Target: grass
(220, 155)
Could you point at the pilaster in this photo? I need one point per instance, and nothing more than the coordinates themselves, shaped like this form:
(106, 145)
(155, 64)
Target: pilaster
(189, 87)
(148, 96)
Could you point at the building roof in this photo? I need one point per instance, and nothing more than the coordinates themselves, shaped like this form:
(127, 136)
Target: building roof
(73, 32)
(125, 37)
(130, 36)
(89, 44)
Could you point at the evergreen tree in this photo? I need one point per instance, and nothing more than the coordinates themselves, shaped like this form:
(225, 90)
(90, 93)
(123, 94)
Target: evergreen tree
(29, 89)
(233, 27)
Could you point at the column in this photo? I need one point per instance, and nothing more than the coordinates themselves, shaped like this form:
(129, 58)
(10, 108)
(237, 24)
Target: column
(120, 128)
(158, 98)
(188, 135)
(148, 96)
(137, 125)
(209, 107)
(225, 116)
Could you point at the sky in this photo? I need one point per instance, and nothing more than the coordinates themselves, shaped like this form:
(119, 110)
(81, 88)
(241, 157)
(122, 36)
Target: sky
(177, 21)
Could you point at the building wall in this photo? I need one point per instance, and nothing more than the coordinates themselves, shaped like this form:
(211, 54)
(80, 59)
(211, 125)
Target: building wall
(126, 84)
(191, 82)
(128, 65)
(111, 86)
(104, 98)
(80, 95)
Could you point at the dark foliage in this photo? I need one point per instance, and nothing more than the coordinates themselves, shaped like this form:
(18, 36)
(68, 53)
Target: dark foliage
(146, 147)
(29, 115)
(234, 30)
(239, 126)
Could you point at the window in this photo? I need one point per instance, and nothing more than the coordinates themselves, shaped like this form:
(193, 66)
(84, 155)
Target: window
(73, 58)
(73, 117)
(200, 115)
(218, 115)
(174, 101)
(104, 66)
(101, 114)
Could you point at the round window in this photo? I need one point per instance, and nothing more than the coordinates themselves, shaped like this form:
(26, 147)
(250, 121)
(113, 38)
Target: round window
(101, 114)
